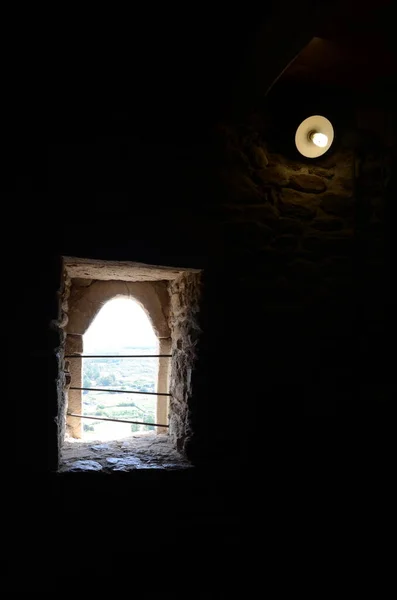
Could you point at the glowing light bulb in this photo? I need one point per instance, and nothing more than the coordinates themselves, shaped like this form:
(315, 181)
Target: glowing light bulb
(319, 139)
(308, 139)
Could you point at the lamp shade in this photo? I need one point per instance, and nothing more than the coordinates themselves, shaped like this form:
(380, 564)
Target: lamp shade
(314, 136)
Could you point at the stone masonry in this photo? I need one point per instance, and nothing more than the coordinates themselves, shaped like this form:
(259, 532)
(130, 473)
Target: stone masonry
(172, 307)
(185, 332)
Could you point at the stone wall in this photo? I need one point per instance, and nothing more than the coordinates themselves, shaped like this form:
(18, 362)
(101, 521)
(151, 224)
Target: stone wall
(290, 204)
(299, 219)
(185, 332)
(62, 376)
(305, 238)
(287, 287)
(293, 264)
(173, 309)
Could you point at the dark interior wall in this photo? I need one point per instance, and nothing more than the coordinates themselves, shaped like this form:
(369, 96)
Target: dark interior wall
(291, 251)
(283, 338)
(287, 296)
(211, 205)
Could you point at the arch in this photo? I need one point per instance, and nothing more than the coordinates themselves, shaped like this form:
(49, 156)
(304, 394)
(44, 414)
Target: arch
(86, 301)
(119, 321)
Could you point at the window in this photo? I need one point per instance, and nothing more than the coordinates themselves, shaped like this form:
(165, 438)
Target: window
(119, 310)
(122, 355)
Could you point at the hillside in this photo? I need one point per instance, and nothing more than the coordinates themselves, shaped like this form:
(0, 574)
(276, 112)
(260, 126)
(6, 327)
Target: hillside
(138, 374)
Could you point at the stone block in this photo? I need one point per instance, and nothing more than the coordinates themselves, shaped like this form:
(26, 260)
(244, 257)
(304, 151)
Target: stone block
(74, 344)
(327, 161)
(277, 160)
(294, 204)
(277, 175)
(294, 209)
(342, 187)
(321, 172)
(79, 282)
(259, 157)
(344, 170)
(307, 183)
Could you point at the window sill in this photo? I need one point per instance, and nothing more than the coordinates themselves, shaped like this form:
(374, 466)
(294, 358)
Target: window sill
(137, 452)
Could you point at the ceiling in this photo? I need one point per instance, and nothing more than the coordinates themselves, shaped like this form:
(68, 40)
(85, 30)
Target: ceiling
(353, 50)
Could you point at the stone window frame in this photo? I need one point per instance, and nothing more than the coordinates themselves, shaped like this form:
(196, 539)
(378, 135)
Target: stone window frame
(169, 296)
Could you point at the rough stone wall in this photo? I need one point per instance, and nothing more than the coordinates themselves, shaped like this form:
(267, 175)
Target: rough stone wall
(301, 224)
(294, 210)
(62, 374)
(92, 198)
(185, 332)
(291, 274)
(305, 241)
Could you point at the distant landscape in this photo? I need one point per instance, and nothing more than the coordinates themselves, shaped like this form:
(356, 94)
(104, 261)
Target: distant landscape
(138, 374)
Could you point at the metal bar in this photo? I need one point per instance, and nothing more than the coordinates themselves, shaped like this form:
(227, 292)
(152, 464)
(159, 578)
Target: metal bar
(116, 420)
(119, 391)
(118, 355)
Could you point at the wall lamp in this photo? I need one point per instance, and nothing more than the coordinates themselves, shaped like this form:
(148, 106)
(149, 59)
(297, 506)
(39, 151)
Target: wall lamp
(314, 136)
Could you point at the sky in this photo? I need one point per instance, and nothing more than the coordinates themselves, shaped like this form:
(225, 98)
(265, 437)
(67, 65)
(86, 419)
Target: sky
(120, 322)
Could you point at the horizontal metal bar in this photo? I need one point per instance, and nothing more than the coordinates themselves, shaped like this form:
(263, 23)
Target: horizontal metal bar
(118, 355)
(116, 420)
(119, 391)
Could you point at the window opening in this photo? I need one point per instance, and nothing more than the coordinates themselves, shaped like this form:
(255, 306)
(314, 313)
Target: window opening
(126, 405)
(120, 368)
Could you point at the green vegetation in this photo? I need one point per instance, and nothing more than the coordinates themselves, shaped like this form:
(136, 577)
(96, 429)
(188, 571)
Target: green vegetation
(138, 374)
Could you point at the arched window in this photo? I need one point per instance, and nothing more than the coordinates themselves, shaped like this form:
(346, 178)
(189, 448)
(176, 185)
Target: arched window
(111, 310)
(121, 327)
